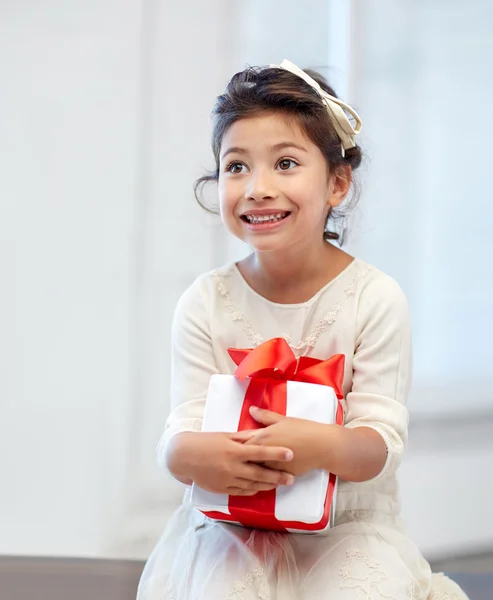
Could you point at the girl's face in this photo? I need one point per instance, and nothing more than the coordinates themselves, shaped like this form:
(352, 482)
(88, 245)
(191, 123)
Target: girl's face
(274, 186)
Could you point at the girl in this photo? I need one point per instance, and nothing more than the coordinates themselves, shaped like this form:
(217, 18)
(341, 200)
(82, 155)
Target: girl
(285, 154)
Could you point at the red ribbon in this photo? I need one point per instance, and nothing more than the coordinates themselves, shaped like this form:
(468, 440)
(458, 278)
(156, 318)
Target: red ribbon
(269, 367)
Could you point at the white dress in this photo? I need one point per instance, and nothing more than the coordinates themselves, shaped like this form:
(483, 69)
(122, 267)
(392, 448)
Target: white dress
(362, 314)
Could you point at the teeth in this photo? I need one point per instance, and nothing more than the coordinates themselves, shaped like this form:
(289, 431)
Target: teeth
(265, 218)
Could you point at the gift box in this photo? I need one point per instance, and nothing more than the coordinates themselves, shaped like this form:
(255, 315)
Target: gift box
(271, 377)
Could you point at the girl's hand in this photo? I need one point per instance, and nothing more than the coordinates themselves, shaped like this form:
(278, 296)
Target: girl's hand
(300, 435)
(223, 464)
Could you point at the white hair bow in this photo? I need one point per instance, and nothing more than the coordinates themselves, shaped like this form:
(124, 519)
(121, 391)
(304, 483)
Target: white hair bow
(336, 108)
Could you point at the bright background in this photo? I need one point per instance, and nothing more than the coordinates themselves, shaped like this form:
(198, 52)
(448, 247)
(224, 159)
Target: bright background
(104, 125)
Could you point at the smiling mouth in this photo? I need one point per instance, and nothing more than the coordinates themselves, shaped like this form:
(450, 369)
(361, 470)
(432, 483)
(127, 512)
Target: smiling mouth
(272, 218)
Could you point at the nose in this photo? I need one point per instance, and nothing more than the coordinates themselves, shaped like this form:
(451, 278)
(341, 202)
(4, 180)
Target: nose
(260, 187)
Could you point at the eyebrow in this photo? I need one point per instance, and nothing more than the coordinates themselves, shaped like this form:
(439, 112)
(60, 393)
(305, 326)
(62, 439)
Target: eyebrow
(275, 148)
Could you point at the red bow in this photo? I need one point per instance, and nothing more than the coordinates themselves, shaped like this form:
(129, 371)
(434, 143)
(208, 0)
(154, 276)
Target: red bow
(275, 359)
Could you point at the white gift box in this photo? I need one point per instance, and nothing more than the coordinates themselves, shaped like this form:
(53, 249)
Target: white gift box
(308, 505)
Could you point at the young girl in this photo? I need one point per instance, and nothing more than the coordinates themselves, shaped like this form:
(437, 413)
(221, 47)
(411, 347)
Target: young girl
(285, 154)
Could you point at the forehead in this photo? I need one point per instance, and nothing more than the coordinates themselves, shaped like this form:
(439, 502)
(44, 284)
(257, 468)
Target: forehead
(264, 130)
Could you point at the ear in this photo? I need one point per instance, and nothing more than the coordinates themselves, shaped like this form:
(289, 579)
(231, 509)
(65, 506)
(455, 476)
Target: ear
(339, 184)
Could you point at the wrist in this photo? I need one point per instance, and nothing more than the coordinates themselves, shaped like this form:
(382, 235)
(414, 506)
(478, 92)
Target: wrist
(327, 443)
(355, 455)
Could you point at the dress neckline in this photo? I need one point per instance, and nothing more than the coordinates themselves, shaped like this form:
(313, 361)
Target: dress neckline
(308, 302)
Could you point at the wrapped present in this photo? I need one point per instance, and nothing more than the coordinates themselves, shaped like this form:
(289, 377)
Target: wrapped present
(271, 377)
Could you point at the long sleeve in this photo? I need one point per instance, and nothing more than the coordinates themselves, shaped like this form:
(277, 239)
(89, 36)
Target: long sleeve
(192, 364)
(382, 368)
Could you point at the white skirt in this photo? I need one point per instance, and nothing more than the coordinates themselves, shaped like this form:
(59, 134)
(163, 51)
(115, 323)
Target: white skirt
(200, 559)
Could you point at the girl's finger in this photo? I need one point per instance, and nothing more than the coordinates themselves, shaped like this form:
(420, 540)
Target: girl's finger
(243, 436)
(257, 453)
(235, 491)
(254, 486)
(265, 417)
(260, 475)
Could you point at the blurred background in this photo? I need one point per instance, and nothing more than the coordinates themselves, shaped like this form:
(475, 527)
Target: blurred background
(104, 125)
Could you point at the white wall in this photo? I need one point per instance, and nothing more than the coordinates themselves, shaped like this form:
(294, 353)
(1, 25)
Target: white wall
(446, 486)
(419, 78)
(69, 120)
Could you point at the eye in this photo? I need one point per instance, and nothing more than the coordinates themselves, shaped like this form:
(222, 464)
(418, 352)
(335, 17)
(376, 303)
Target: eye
(285, 164)
(235, 168)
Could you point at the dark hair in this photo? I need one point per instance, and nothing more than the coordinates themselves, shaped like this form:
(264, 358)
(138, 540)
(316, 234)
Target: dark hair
(265, 90)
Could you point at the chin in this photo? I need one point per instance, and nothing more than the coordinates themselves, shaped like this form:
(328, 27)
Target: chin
(268, 245)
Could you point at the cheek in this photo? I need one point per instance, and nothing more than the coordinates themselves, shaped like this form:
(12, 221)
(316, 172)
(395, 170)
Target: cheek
(227, 196)
(311, 198)
(307, 200)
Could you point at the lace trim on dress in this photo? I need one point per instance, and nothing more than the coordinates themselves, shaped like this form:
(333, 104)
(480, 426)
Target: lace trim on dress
(303, 346)
(360, 573)
(257, 580)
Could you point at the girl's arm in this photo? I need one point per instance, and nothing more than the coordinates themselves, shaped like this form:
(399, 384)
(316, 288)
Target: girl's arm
(219, 464)
(192, 365)
(215, 461)
(372, 443)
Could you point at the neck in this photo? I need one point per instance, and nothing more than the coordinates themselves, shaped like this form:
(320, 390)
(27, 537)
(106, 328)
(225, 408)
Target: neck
(295, 264)
(297, 274)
